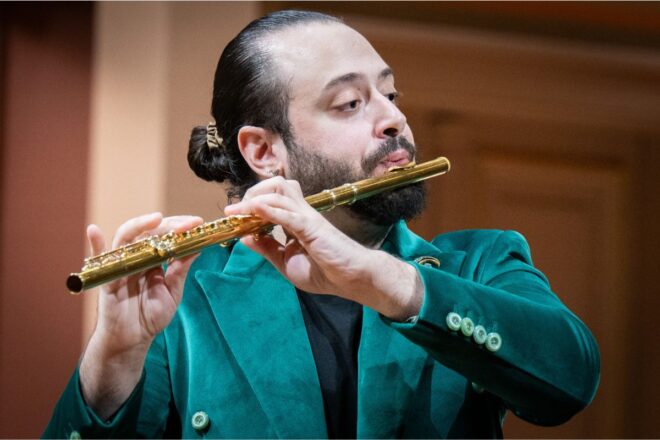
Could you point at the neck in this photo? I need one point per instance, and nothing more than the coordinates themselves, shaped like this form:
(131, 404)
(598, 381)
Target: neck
(364, 232)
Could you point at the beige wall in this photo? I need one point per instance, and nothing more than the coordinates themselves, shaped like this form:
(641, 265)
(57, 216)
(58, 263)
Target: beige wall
(152, 82)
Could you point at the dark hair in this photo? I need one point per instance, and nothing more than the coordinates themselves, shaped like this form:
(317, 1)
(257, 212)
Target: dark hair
(246, 91)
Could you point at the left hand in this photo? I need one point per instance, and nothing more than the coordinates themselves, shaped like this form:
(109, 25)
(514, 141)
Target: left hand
(319, 258)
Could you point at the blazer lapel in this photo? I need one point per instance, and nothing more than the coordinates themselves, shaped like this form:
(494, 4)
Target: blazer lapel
(258, 313)
(389, 365)
(389, 369)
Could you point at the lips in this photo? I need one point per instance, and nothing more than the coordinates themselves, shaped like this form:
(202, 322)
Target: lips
(397, 158)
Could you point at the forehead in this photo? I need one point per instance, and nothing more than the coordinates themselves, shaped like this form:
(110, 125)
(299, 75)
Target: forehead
(308, 56)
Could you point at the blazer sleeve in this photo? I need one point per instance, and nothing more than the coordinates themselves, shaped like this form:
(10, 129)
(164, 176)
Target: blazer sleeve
(147, 413)
(547, 365)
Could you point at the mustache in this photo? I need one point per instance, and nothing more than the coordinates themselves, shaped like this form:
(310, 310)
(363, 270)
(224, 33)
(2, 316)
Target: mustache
(391, 145)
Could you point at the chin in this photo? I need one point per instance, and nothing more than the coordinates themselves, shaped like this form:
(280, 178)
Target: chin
(389, 207)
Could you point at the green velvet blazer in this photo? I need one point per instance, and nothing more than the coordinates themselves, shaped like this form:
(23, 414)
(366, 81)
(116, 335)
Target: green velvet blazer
(237, 354)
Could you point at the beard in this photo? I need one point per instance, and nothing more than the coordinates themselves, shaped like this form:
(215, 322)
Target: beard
(316, 172)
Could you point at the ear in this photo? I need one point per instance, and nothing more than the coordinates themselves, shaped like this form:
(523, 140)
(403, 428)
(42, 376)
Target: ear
(263, 151)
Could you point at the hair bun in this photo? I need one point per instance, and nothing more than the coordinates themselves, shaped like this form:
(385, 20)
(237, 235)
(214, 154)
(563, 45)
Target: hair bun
(209, 162)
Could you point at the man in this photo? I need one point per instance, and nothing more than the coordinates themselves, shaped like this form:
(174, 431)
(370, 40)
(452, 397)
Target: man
(271, 338)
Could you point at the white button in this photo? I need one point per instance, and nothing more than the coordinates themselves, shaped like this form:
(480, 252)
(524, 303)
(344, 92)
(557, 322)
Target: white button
(479, 334)
(493, 341)
(75, 435)
(453, 321)
(467, 327)
(200, 421)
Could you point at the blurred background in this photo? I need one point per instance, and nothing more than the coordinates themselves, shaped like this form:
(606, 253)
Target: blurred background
(550, 113)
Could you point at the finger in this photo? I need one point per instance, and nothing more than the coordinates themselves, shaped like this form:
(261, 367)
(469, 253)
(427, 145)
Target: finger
(177, 224)
(266, 208)
(293, 222)
(293, 187)
(277, 185)
(272, 199)
(95, 238)
(264, 187)
(176, 273)
(153, 278)
(128, 231)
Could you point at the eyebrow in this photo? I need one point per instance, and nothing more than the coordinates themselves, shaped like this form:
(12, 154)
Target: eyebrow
(350, 77)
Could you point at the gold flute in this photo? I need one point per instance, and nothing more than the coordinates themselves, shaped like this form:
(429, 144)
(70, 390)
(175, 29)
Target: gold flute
(156, 250)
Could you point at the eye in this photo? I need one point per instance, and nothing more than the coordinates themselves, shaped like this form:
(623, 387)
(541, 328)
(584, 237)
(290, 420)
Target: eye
(350, 106)
(393, 97)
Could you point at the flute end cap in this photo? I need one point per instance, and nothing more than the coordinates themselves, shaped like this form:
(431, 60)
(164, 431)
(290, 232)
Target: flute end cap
(74, 284)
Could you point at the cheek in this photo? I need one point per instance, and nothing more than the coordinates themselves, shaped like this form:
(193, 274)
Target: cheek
(332, 137)
(310, 129)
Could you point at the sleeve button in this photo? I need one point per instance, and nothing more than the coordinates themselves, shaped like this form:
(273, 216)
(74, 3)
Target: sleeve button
(453, 321)
(493, 341)
(200, 421)
(467, 327)
(479, 334)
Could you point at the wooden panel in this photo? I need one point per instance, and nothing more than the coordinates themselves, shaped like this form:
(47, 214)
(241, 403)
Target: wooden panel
(573, 219)
(632, 23)
(482, 74)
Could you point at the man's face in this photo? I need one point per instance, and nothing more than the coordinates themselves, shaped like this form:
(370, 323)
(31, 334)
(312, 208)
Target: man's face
(344, 119)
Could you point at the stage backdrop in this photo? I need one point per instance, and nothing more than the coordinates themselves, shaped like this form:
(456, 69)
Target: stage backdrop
(548, 111)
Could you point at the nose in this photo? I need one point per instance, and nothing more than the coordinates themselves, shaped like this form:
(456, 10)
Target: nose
(390, 121)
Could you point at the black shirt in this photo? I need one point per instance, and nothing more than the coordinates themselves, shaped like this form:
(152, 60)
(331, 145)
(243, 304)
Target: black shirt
(333, 326)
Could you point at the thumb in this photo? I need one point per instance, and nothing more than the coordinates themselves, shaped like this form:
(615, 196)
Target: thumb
(175, 276)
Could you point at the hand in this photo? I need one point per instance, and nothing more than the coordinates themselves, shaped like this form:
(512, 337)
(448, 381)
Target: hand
(319, 258)
(131, 312)
(134, 309)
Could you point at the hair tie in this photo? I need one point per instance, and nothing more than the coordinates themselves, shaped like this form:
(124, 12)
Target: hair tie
(212, 138)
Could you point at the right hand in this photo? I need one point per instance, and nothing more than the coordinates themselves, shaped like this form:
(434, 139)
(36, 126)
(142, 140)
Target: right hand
(134, 309)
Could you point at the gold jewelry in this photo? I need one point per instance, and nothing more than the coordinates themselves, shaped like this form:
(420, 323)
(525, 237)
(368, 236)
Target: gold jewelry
(212, 138)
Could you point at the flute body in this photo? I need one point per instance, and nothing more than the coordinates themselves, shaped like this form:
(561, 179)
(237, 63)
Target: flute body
(156, 250)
